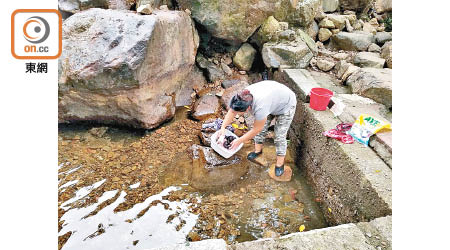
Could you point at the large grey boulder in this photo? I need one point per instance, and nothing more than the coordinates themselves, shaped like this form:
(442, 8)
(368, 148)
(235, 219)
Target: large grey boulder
(236, 21)
(292, 54)
(119, 67)
(372, 83)
(74, 6)
(296, 53)
(330, 5)
(355, 41)
(369, 60)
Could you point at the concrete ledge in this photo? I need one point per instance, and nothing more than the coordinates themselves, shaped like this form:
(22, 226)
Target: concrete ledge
(352, 181)
(340, 237)
(378, 232)
(301, 81)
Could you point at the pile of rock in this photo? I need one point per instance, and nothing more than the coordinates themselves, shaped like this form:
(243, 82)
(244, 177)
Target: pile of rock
(135, 67)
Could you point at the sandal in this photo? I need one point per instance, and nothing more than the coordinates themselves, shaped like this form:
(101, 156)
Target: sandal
(279, 171)
(252, 155)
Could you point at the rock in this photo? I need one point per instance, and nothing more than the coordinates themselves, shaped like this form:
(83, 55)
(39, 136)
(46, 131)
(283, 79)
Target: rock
(75, 6)
(320, 45)
(299, 13)
(381, 28)
(356, 41)
(325, 65)
(268, 31)
(369, 60)
(368, 28)
(210, 170)
(308, 40)
(386, 53)
(230, 20)
(358, 25)
(194, 81)
(295, 54)
(206, 107)
(227, 19)
(113, 68)
(383, 37)
(330, 5)
(98, 132)
(145, 9)
(164, 7)
(341, 56)
(227, 60)
(345, 69)
(382, 6)
(324, 34)
(338, 20)
(284, 25)
(372, 83)
(288, 35)
(270, 234)
(312, 30)
(335, 31)
(205, 138)
(327, 24)
(213, 71)
(356, 5)
(348, 26)
(193, 236)
(154, 4)
(244, 57)
(374, 48)
(228, 83)
(226, 69)
(230, 92)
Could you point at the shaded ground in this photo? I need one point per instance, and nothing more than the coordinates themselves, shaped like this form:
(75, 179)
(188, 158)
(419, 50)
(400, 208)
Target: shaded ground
(115, 183)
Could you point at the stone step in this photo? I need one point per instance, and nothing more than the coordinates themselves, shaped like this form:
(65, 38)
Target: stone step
(347, 236)
(302, 81)
(376, 234)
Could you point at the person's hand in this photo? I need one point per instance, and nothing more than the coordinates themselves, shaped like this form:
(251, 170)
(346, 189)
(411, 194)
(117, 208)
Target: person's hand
(220, 133)
(235, 144)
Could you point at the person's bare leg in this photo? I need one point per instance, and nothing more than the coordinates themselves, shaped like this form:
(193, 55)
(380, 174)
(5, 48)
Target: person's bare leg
(258, 147)
(280, 160)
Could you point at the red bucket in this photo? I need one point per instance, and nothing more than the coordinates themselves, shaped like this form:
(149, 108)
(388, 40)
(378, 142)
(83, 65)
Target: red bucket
(319, 98)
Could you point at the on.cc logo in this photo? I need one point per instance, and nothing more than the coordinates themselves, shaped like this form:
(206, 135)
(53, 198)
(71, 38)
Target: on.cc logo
(36, 29)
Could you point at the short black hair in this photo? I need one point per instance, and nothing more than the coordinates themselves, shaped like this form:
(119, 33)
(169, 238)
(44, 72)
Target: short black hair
(240, 102)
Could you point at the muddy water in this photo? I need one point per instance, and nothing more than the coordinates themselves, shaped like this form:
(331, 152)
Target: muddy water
(128, 189)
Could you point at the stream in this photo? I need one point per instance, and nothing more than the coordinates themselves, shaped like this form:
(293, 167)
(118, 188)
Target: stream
(120, 188)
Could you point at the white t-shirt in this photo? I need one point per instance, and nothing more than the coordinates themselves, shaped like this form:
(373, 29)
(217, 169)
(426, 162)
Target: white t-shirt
(270, 98)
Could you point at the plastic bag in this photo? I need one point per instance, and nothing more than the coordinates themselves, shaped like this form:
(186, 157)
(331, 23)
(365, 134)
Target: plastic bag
(340, 133)
(365, 126)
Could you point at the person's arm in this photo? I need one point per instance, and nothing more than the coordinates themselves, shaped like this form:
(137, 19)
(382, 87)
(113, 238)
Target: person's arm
(257, 127)
(226, 121)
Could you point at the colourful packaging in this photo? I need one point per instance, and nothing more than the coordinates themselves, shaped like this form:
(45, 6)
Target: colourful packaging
(365, 126)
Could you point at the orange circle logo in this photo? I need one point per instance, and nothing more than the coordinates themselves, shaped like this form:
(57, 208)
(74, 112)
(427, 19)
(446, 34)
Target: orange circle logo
(36, 29)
